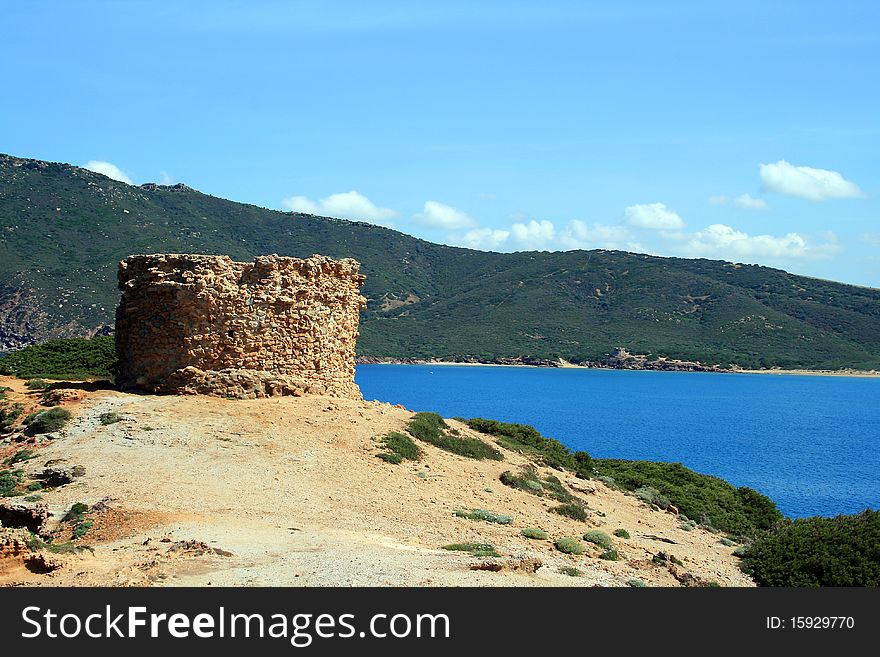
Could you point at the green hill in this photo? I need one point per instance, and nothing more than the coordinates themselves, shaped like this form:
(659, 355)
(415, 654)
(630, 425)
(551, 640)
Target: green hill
(63, 229)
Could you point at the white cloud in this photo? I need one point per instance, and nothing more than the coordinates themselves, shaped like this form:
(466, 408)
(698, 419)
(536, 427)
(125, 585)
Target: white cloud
(439, 215)
(344, 205)
(653, 215)
(722, 241)
(870, 238)
(533, 236)
(108, 169)
(579, 235)
(720, 199)
(543, 235)
(484, 239)
(806, 182)
(165, 179)
(748, 202)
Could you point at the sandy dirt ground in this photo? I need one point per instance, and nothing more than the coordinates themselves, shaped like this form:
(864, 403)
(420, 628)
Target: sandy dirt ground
(288, 491)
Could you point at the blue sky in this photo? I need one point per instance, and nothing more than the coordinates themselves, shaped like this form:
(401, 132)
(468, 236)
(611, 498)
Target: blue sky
(746, 131)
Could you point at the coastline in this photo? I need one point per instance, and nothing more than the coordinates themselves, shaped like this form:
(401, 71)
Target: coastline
(563, 364)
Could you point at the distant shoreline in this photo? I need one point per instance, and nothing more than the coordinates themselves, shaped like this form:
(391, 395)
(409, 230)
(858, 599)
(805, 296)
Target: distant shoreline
(562, 364)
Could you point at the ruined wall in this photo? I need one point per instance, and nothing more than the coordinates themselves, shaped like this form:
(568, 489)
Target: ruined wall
(208, 325)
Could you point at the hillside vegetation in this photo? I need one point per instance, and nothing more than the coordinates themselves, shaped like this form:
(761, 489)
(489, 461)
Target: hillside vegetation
(63, 229)
(841, 551)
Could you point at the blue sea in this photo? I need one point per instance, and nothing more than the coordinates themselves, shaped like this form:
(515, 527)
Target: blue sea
(811, 443)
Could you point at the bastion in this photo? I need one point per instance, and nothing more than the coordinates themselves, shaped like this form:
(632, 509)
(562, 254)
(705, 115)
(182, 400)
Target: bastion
(204, 324)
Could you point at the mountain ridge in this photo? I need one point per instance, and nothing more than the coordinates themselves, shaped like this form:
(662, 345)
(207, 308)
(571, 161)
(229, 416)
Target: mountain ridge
(63, 229)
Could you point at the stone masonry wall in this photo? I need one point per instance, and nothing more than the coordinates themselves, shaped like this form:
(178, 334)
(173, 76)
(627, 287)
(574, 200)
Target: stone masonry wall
(208, 325)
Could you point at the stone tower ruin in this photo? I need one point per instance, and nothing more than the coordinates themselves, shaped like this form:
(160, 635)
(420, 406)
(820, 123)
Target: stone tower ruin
(204, 324)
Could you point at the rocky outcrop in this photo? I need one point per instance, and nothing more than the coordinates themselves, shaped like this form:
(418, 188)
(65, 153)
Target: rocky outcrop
(208, 325)
(621, 359)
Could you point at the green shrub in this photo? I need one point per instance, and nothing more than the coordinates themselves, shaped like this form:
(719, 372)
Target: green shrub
(475, 549)
(688, 525)
(841, 551)
(33, 498)
(47, 421)
(569, 545)
(610, 482)
(529, 481)
(109, 418)
(427, 426)
(741, 551)
(571, 571)
(76, 513)
(485, 516)
(402, 445)
(82, 528)
(726, 542)
(636, 583)
(19, 456)
(600, 538)
(69, 358)
(535, 533)
(389, 457)
(431, 428)
(36, 384)
(572, 510)
(610, 554)
(9, 481)
(37, 544)
(35, 485)
(528, 440)
(740, 511)
(651, 495)
(621, 533)
(9, 413)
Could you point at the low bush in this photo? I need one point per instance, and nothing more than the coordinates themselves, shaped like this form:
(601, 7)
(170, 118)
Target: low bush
(571, 571)
(621, 533)
(76, 513)
(650, 495)
(82, 529)
(109, 418)
(37, 544)
(47, 421)
(636, 583)
(485, 516)
(9, 413)
(19, 456)
(474, 549)
(841, 551)
(611, 554)
(535, 533)
(741, 511)
(528, 440)
(36, 384)
(399, 447)
(599, 538)
(688, 525)
(529, 481)
(569, 545)
(572, 510)
(9, 482)
(69, 358)
(431, 428)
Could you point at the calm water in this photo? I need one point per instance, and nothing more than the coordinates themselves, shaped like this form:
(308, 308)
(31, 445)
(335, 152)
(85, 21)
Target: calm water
(811, 443)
